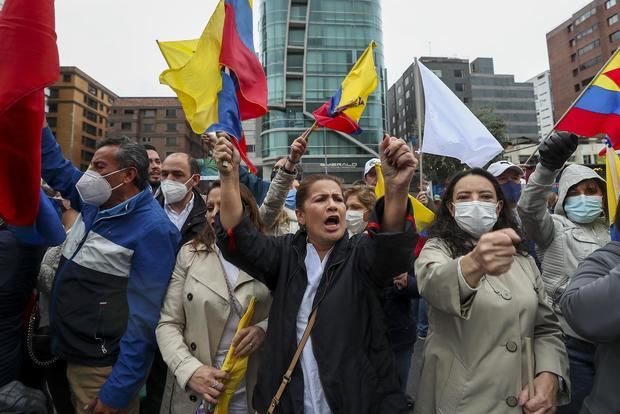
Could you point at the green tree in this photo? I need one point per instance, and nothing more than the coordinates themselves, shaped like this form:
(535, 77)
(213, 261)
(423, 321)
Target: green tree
(438, 168)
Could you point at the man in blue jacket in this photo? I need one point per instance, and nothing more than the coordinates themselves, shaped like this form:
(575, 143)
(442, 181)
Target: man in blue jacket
(112, 276)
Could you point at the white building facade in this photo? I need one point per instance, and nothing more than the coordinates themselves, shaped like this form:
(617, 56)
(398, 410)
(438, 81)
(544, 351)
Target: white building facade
(544, 102)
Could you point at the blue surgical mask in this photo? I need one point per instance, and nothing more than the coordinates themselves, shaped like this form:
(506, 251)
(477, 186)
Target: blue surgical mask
(512, 192)
(583, 209)
(290, 199)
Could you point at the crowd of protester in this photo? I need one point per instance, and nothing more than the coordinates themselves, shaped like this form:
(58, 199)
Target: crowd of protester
(320, 288)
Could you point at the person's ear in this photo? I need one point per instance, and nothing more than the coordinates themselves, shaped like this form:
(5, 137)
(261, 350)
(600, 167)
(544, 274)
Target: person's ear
(301, 217)
(451, 208)
(500, 206)
(129, 175)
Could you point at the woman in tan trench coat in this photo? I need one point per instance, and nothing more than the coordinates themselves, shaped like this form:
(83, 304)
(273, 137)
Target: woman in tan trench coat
(485, 297)
(195, 330)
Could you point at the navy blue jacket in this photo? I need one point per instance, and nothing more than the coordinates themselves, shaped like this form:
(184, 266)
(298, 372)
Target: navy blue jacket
(111, 280)
(400, 308)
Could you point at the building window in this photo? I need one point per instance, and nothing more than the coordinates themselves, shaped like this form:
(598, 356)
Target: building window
(577, 87)
(400, 101)
(406, 80)
(53, 93)
(128, 112)
(609, 4)
(171, 127)
(66, 77)
(570, 28)
(612, 20)
(92, 89)
(110, 100)
(587, 159)
(99, 132)
(171, 113)
(251, 148)
(88, 128)
(573, 57)
(147, 127)
(90, 102)
(587, 31)
(149, 112)
(437, 72)
(458, 73)
(87, 155)
(585, 16)
(590, 63)
(589, 47)
(125, 126)
(459, 87)
(51, 122)
(171, 141)
(90, 115)
(465, 100)
(52, 108)
(407, 94)
(572, 42)
(89, 142)
(399, 90)
(575, 72)
(612, 38)
(586, 82)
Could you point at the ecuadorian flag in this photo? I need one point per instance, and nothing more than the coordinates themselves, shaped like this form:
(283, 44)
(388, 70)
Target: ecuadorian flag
(218, 78)
(597, 111)
(344, 110)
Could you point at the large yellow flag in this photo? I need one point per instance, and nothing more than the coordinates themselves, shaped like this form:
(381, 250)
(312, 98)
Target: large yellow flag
(422, 215)
(195, 77)
(235, 366)
(613, 182)
(359, 83)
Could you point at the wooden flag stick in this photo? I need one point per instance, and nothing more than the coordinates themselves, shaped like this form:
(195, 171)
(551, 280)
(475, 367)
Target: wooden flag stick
(308, 131)
(530, 366)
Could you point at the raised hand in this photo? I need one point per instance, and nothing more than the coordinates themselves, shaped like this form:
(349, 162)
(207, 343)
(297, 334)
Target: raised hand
(298, 149)
(397, 163)
(557, 149)
(226, 155)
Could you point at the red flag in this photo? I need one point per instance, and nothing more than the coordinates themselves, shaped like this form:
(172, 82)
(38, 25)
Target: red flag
(338, 122)
(29, 59)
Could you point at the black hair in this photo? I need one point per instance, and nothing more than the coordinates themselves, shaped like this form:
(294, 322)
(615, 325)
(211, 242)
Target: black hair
(130, 155)
(303, 191)
(459, 241)
(194, 167)
(150, 147)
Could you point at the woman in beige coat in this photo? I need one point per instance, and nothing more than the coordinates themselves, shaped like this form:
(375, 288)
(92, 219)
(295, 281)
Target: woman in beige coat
(485, 297)
(199, 319)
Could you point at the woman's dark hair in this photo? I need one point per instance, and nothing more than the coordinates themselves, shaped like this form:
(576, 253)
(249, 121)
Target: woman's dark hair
(303, 191)
(205, 239)
(459, 241)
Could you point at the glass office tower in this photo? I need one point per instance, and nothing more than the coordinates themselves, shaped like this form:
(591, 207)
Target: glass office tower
(307, 48)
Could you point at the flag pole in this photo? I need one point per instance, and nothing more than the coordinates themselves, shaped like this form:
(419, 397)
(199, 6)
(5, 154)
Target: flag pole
(574, 103)
(309, 131)
(418, 111)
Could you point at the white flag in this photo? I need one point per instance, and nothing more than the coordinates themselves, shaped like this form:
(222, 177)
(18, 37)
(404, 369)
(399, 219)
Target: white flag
(450, 129)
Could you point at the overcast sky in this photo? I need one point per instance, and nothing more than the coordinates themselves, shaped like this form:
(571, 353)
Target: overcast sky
(114, 40)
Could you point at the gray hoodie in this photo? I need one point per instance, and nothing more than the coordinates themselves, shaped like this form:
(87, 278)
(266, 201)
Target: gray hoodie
(561, 244)
(590, 305)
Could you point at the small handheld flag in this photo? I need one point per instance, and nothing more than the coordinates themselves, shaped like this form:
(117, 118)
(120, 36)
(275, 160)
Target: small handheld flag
(344, 110)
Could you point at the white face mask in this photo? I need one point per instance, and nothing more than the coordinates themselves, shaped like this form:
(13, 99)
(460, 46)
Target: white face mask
(475, 217)
(94, 189)
(173, 191)
(355, 221)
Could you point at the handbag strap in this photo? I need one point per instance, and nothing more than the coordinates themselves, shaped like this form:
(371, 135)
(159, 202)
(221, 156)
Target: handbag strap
(289, 372)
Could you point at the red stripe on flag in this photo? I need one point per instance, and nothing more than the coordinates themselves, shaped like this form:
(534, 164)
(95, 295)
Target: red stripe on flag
(252, 90)
(29, 63)
(590, 124)
(341, 122)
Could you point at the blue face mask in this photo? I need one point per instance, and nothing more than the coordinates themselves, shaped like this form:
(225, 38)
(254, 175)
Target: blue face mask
(583, 209)
(512, 191)
(290, 199)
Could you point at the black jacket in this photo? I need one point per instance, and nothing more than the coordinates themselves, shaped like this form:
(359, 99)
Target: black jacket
(356, 364)
(590, 305)
(196, 220)
(400, 308)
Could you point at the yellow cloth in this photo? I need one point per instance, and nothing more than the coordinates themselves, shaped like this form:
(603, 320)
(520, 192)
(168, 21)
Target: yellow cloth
(235, 366)
(359, 83)
(195, 77)
(422, 215)
(613, 182)
(604, 81)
